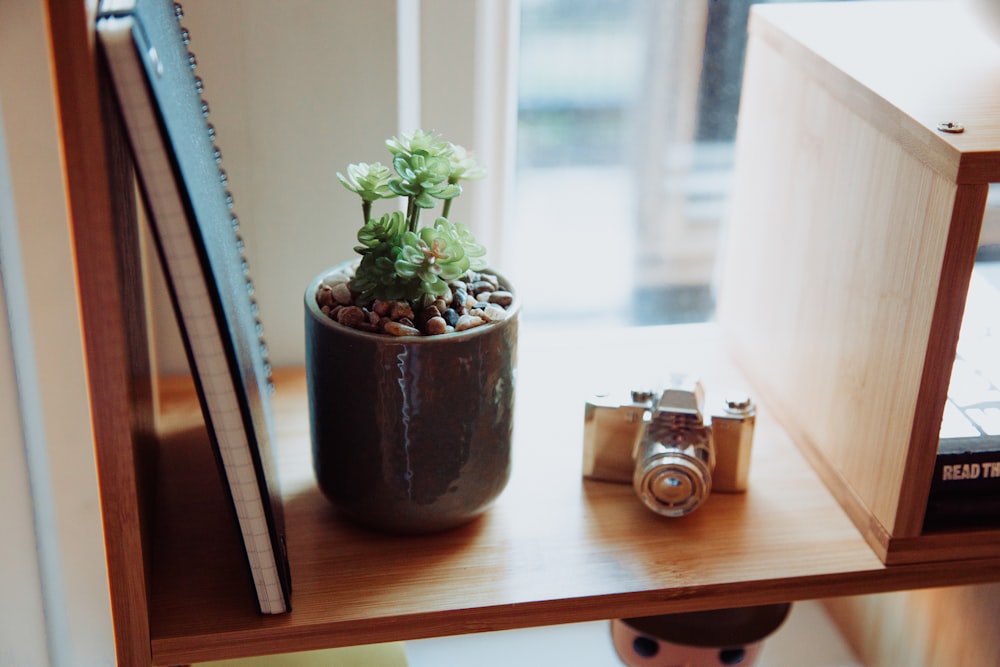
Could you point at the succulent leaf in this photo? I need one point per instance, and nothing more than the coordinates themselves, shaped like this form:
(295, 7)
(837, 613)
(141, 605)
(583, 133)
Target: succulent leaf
(399, 259)
(419, 141)
(435, 256)
(424, 177)
(378, 231)
(371, 181)
(463, 166)
(376, 278)
(473, 249)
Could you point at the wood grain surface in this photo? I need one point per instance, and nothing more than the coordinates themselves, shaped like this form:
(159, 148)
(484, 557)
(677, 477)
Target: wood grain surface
(833, 359)
(100, 189)
(853, 231)
(926, 628)
(553, 549)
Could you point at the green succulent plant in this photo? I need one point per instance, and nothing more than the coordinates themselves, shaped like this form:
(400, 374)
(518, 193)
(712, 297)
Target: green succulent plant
(399, 258)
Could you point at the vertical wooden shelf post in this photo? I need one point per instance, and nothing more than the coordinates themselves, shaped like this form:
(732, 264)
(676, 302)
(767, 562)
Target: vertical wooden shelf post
(100, 189)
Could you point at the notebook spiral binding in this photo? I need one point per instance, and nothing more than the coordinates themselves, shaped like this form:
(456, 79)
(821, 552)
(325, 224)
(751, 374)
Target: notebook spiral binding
(233, 218)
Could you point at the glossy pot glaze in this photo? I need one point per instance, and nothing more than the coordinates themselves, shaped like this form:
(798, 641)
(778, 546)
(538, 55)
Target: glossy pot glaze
(410, 434)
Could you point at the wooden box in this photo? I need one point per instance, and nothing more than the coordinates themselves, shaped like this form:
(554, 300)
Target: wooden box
(844, 347)
(854, 227)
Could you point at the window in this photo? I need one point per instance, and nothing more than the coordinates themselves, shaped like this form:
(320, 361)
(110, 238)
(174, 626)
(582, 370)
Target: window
(626, 121)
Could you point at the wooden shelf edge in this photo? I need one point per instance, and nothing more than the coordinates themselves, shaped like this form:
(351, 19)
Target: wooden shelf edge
(272, 637)
(951, 546)
(949, 305)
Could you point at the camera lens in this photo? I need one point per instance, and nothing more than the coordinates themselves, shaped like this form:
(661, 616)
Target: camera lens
(671, 488)
(671, 483)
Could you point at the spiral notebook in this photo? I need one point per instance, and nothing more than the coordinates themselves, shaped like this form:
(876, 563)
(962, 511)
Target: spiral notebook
(184, 188)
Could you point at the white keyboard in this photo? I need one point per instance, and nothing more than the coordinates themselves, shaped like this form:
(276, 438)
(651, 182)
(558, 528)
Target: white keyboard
(973, 408)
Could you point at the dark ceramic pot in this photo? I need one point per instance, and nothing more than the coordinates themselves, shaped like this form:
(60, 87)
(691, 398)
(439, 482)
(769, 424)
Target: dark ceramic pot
(410, 434)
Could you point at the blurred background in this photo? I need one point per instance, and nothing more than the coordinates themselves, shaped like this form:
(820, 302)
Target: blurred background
(607, 128)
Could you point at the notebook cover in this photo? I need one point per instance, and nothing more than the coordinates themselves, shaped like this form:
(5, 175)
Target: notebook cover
(190, 210)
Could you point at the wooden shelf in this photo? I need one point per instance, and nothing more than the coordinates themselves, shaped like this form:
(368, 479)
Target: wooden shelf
(853, 232)
(554, 549)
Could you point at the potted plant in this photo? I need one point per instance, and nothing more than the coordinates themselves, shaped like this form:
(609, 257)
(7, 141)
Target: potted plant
(410, 353)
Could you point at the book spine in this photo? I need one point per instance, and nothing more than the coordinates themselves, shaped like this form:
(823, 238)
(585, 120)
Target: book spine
(966, 473)
(965, 492)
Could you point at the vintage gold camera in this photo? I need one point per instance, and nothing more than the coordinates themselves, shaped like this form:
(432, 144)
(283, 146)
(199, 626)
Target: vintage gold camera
(658, 441)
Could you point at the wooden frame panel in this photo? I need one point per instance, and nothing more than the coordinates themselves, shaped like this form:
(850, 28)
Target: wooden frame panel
(940, 626)
(853, 235)
(101, 189)
(593, 552)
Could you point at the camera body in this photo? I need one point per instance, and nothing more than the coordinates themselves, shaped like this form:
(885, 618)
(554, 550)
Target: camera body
(658, 441)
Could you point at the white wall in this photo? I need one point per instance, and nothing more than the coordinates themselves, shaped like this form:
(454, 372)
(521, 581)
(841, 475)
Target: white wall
(297, 90)
(301, 88)
(22, 617)
(55, 605)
